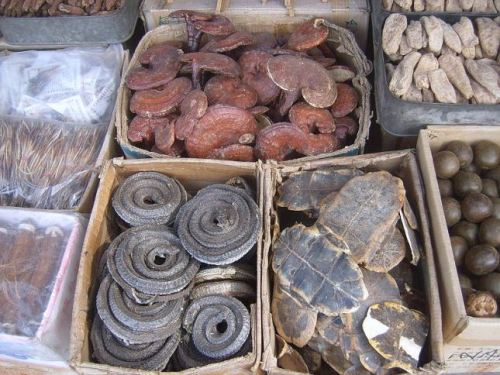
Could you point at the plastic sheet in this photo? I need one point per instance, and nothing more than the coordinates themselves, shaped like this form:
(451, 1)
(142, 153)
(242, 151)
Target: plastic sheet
(37, 247)
(73, 84)
(46, 164)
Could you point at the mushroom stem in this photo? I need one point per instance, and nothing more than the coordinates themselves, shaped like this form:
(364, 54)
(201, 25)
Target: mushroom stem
(196, 75)
(194, 37)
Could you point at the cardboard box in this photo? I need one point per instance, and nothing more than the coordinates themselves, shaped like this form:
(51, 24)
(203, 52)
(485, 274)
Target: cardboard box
(349, 54)
(470, 344)
(401, 163)
(351, 14)
(194, 175)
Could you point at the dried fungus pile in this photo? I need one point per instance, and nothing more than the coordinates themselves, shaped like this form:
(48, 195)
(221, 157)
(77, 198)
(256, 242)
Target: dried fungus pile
(174, 288)
(242, 96)
(49, 8)
(455, 6)
(338, 281)
(430, 60)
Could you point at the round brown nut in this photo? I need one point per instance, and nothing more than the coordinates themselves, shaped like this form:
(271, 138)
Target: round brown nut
(481, 259)
(481, 304)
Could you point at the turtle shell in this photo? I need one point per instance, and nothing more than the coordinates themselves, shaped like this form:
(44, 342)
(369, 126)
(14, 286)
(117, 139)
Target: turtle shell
(362, 213)
(396, 333)
(316, 272)
(288, 357)
(331, 354)
(303, 191)
(390, 254)
(293, 322)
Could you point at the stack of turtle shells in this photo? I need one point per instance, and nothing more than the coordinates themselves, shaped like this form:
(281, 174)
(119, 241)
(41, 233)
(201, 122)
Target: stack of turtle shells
(176, 285)
(469, 181)
(344, 295)
(242, 96)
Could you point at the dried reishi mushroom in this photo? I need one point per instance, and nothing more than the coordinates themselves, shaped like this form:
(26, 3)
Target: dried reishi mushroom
(165, 137)
(293, 73)
(326, 62)
(162, 61)
(345, 126)
(346, 102)
(233, 41)
(231, 91)
(481, 304)
(308, 35)
(237, 152)
(211, 62)
(193, 107)
(314, 271)
(258, 110)
(217, 25)
(141, 129)
(254, 73)
(160, 102)
(280, 140)
(309, 118)
(193, 34)
(286, 101)
(341, 73)
(221, 126)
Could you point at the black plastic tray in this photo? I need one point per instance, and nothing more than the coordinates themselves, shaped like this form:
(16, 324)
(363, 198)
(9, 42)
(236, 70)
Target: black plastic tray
(402, 118)
(115, 27)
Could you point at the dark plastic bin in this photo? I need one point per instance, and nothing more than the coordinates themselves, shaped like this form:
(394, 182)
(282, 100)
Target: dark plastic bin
(115, 27)
(403, 119)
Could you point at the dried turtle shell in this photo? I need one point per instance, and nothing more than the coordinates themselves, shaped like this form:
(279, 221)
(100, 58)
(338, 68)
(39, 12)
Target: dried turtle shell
(397, 333)
(288, 357)
(331, 354)
(304, 191)
(358, 218)
(316, 272)
(390, 254)
(293, 322)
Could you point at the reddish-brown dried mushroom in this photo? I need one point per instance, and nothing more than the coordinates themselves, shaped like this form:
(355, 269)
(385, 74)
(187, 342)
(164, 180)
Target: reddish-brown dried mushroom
(293, 73)
(193, 34)
(263, 41)
(346, 102)
(259, 110)
(163, 65)
(231, 91)
(217, 25)
(160, 102)
(234, 152)
(286, 101)
(211, 62)
(233, 41)
(308, 35)
(176, 150)
(326, 62)
(345, 126)
(341, 73)
(141, 129)
(221, 126)
(254, 73)
(165, 137)
(193, 107)
(310, 119)
(281, 140)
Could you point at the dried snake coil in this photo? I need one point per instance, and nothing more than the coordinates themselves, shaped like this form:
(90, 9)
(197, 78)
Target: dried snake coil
(219, 225)
(148, 198)
(134, 323)
(110, 350)
(219, 326)
(150, 262)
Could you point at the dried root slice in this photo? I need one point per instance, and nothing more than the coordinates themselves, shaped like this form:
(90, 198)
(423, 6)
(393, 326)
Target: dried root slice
(434, 30)
(414, 35)
(485, 75)
(292, 321)
(148, 198)
(426, 64)
(316, 272)
(403, 75)
(455, 71)
(392, 33)
(489, 36)
(303, 191)
(347, 217)
(396, 333)
(441, 87)
(219, 225)
(390, 254)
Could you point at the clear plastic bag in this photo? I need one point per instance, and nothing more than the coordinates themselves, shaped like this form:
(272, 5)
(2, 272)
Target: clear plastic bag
(73, 84)
(37, 248)
(46, 164)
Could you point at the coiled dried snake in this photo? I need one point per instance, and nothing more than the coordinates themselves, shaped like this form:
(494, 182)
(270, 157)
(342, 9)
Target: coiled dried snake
(148, 198)
(150, 261)
(219, 225)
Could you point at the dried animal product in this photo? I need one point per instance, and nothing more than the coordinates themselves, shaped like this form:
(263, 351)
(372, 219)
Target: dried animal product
(400, 343)
(162, 61)
(393, 30)
(192, 108)
(316, 272)
(292, 73)
(346, 102)
(402, 77)
(111, 351)
(230, 91)
(254, 73)
(308, 35)
(150, 263)
(148, 198)
(304, 191)
(220, 126)
(389, 254)
(441, 87)
(219, 225)
(219, 326)
(293, 322)
(311, 119)
(358, 217)
(160, 102)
